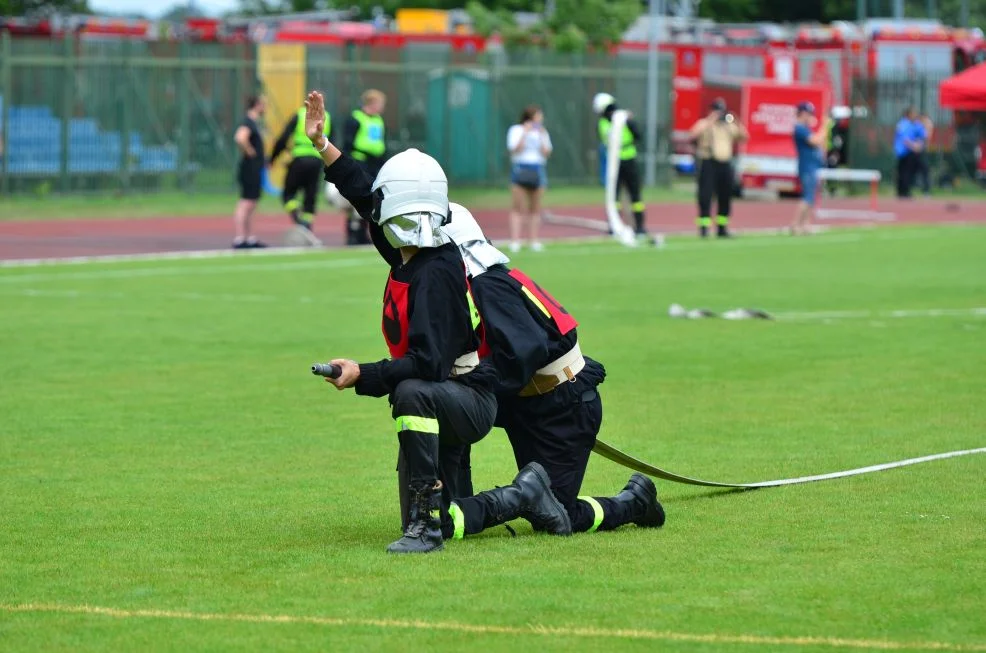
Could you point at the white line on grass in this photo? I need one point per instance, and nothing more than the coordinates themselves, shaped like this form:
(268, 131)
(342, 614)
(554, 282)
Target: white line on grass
(183, 296)
(917, 312)
(305, 299)
(155, 256)
(190, 270)
(533, 629)
(757, 238)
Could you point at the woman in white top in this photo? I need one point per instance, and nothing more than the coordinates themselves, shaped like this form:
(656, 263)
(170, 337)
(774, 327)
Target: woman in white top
(530, 147)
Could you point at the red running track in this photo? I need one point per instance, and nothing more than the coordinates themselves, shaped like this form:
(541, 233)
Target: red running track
(70, 238)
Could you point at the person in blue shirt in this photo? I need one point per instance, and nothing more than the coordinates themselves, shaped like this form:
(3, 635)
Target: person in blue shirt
(808, 145)
(909, 138)
(922, 170)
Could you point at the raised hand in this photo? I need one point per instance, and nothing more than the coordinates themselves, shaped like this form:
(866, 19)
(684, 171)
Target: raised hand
(315, 118)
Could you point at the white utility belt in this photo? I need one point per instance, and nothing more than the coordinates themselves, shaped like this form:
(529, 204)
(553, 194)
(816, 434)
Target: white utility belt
(564, 368)
(465, 363)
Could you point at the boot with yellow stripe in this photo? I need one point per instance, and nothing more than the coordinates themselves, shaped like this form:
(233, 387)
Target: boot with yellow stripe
(528, 497)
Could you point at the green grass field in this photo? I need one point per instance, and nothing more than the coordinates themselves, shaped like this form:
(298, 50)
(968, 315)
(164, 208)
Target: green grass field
(162, 204)
(173, 478)
(211, 203)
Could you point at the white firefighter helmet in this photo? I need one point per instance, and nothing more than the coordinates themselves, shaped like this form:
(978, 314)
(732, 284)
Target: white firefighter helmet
(601, 101)
(410, 196)
(477, 252)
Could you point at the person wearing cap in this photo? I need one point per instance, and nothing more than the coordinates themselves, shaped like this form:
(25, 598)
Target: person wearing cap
(604, 104)
(441, 399)
(809, 145)
(547, 396)
(716, 137)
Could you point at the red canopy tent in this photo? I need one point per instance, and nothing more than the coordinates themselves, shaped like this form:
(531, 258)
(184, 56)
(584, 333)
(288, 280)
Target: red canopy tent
(965, 91)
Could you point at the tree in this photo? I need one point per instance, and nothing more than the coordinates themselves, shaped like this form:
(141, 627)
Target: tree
(268, 7)
(572, 26)
(27, 7)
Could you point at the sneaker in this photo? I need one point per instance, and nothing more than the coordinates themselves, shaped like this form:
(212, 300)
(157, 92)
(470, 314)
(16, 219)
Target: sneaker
(255, 244)
(536, 246)
(514, 247)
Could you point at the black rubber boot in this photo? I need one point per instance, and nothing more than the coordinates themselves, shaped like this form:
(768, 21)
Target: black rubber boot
(424, 526)
(640, 497)
(723, 232)
(703, 232)
(530, 497)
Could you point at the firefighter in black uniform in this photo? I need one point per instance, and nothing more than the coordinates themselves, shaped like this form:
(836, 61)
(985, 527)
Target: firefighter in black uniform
(546, 391)
(604, 105)
(438, 393)
(364, 138)
(716, 137)
(304, 173)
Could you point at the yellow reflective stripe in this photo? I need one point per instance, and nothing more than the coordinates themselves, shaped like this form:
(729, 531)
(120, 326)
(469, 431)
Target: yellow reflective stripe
(291, 205)
(419, 424)
(473, 311)
(308, 218)
(704, 221)
(638, 206)
(537, 302)
(458, 521)
(597, 511)
(723, 219)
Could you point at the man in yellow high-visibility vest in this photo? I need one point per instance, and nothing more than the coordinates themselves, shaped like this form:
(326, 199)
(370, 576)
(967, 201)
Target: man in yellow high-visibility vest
(604, 105)
(364, 138)
(304, 173)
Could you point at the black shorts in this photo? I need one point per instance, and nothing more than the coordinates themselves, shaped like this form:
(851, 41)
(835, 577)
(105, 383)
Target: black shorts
(250, 178)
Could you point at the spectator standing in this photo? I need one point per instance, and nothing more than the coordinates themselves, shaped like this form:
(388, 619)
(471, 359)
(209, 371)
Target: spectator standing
(908, 143)
(529, 145)
(808, 145)
(922, 176)
(250, 172)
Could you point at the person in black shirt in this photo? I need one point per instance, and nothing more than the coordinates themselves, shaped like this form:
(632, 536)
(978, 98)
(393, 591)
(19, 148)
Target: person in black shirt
(438, 393)
(250, 172)
(546, 392)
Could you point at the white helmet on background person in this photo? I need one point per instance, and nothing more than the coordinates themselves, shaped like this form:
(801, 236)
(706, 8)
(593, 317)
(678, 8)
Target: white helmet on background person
(602, 101)
(335, 197)
(477, 252)
(410, 200)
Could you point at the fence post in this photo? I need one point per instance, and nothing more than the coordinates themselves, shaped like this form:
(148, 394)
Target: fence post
(237, 92)
(124, 93)
(68, 91)
(6, 92)
(184, 114)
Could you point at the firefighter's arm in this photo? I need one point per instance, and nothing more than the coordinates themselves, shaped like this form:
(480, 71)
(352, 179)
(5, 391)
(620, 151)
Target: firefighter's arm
(282, 141)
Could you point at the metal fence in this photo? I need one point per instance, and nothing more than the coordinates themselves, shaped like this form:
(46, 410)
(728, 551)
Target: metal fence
(78, 115)
(952, 149)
